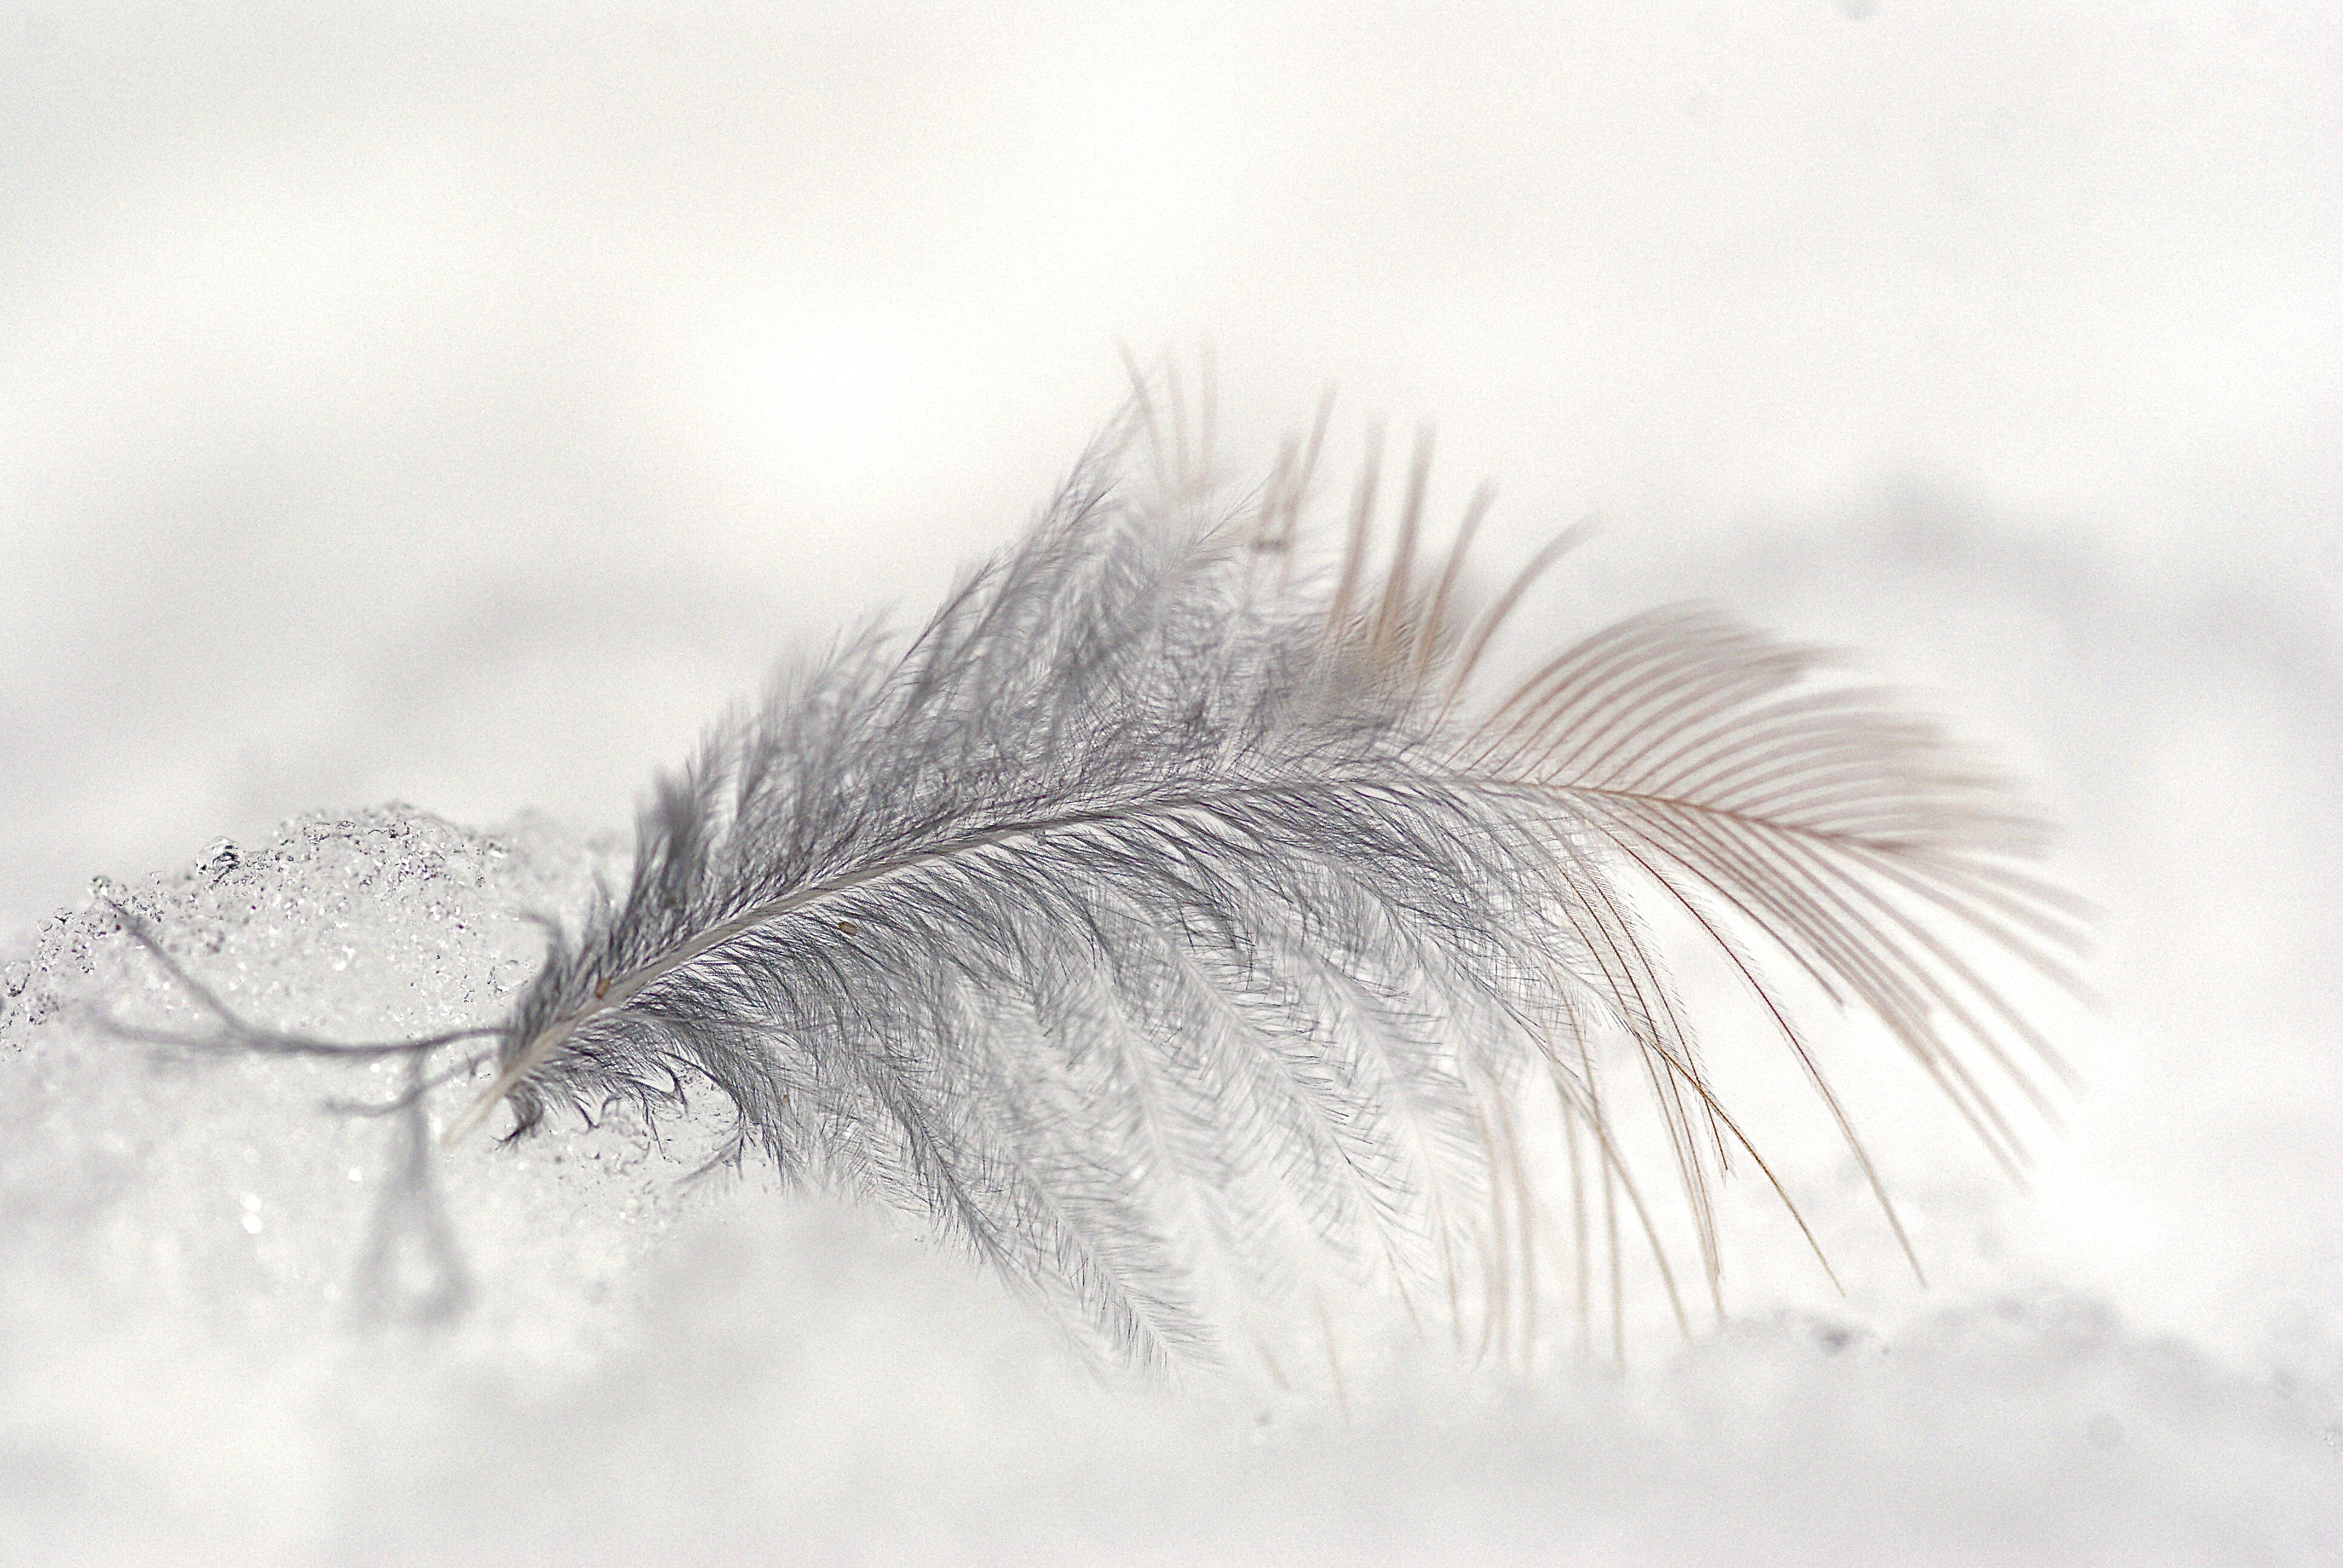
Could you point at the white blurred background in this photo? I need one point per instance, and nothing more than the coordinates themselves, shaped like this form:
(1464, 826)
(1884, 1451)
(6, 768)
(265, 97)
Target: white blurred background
(461, 402)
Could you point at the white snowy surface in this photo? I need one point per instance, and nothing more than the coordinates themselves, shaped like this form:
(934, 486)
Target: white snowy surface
(653, 1368)
(458, 404)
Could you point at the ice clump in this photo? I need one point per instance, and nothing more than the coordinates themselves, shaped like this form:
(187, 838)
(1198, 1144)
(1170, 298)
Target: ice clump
(653, 1368)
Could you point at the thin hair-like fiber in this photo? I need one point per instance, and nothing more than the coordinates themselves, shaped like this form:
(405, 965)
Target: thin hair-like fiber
(1172, 917)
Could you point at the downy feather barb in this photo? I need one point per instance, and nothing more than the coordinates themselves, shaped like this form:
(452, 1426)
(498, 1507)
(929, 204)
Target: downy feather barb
(1174, 910)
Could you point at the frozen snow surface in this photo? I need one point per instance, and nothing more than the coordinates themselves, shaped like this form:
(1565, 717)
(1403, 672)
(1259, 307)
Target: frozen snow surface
(198, 1362)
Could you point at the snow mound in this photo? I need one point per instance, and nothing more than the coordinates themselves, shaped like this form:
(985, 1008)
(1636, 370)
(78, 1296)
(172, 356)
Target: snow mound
(196, 1364)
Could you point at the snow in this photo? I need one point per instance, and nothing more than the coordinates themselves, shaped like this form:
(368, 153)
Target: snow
(651, 1366)
(460, 404)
